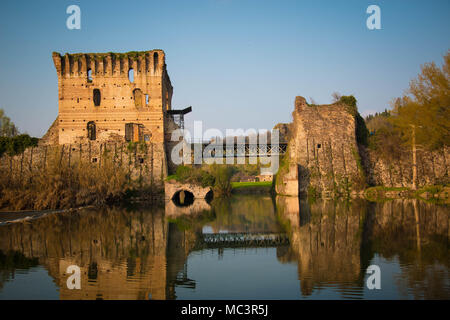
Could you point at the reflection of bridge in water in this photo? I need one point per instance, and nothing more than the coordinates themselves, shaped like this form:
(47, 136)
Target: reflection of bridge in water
(241, 239)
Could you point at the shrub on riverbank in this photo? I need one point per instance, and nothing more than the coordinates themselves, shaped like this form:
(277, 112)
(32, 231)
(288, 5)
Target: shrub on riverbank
(187, 174)
(222, 180)
(216, 176)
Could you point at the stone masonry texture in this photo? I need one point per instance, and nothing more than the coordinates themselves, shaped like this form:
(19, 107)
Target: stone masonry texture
(322, 151)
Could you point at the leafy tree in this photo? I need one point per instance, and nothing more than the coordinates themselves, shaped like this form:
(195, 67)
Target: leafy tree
(16, 145)
(7, 128)
(423, 113)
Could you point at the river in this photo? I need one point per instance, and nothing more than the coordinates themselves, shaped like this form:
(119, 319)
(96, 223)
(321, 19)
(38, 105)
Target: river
(244, 247)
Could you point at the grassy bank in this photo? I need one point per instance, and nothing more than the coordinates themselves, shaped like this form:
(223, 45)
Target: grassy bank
(252, 187)
(435, 193)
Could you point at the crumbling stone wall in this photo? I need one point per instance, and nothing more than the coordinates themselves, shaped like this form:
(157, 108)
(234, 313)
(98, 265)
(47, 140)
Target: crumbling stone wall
(52, 136)
(323, 155)
(143, 160)
(432, 168)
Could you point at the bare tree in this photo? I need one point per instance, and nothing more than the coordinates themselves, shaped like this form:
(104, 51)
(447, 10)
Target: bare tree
(336, 96)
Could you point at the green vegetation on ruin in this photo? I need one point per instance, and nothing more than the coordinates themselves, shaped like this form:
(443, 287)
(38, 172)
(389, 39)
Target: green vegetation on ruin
(362, 134)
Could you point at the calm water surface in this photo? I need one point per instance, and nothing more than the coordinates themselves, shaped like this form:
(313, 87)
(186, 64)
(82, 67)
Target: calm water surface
(246, 247)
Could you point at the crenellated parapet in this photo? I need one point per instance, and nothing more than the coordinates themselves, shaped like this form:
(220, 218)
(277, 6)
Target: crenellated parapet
(110, 64)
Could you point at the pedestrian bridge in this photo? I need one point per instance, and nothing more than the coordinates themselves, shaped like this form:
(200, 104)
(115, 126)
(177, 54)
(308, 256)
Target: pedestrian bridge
(221, 150)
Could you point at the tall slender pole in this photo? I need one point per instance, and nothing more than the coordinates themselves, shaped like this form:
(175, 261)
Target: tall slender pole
(414, 159)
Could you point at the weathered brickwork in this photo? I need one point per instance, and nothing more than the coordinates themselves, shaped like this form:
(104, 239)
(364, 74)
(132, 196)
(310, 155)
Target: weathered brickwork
(98, 88)
(108, 99)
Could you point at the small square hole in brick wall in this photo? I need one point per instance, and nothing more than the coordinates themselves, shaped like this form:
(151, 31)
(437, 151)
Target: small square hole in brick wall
(318, 146)
(141, 160)
(94, 160)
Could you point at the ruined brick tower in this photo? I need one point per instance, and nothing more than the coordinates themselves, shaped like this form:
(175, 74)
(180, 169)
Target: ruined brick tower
(106, 100)
(111, 96)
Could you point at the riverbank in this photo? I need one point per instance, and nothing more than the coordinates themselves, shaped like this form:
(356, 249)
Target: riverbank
(435, 193)
(259, 187)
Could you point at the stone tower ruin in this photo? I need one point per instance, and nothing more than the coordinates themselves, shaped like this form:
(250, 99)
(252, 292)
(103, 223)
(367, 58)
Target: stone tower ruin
(111, 96)
(108, 100)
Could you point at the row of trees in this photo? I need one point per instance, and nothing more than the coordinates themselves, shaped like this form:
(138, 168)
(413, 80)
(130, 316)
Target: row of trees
(418, 119)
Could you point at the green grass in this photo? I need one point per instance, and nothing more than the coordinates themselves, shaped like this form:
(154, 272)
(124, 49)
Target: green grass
(238, 185)
(172, 177)
(430, 189)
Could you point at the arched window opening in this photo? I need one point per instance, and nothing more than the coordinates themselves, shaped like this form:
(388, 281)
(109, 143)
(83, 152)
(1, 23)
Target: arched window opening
(155, 61)
(146, 99)
(97, 97)
(131, 75)
(92, 131)
(89, 75)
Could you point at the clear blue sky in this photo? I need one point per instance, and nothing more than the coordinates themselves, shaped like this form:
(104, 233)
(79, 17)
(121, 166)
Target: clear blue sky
(239, 63)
